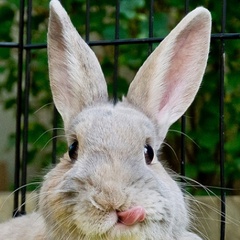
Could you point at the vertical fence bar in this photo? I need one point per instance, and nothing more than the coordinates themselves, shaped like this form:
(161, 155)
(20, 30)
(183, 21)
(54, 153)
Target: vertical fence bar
(183, 160)
(183, 124)
(116, 53)
(186, 6)
(26, 110)
(221, 123)
(54, 135)
(87, 28)
(150, 28)
(18, 111)
(55, 132)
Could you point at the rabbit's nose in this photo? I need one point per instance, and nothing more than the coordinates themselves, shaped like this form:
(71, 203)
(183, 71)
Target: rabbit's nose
(110, 199)
(132, 216)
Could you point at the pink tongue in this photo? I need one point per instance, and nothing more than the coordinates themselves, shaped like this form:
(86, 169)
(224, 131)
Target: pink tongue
(132, 216)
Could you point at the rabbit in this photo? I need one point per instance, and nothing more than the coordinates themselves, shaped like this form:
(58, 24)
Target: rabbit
(110, 184)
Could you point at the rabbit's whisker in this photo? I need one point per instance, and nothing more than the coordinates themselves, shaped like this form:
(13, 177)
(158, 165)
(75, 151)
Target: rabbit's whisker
(182, 133)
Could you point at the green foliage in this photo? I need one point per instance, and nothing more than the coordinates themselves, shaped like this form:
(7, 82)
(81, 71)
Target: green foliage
(202, 119)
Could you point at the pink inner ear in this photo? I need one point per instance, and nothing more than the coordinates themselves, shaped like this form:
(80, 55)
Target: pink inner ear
(184, 68)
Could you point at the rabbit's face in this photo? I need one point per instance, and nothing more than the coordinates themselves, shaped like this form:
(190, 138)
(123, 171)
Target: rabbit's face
(112, 173)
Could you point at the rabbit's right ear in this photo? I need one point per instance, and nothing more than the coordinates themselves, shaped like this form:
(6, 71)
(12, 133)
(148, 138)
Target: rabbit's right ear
(168, 81)
(76, 77)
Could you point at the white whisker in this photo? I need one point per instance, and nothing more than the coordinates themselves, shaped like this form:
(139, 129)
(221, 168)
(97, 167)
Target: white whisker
(182, 133)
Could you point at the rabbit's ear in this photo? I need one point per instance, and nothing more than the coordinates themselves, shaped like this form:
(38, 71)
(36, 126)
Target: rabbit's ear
(168, 81)
(76, 77)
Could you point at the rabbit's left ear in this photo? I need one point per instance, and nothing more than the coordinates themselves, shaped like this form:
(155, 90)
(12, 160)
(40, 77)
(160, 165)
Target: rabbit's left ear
(168, 81)
(76, 77)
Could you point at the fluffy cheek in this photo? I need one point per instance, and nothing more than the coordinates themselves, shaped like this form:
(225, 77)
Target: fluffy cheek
(92, 221)
(52, 206)
(53, 197)
(86, 216)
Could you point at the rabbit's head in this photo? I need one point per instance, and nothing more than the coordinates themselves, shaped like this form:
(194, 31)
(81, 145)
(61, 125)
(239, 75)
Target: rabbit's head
(110, 185)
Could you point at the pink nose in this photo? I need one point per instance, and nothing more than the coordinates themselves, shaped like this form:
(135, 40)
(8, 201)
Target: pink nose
(132, 216)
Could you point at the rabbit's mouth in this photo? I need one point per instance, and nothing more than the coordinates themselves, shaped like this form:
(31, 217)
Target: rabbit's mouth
(131, 216)
(128, 224)
(122, 224)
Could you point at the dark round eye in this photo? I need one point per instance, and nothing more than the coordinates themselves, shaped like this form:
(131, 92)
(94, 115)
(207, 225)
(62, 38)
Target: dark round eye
(72, 151)
(149, 154)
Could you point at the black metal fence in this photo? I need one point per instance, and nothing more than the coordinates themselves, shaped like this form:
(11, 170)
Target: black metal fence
(25, 47)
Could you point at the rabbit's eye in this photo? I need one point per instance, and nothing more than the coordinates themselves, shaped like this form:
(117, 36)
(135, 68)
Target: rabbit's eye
(149, 154)
(72, 151)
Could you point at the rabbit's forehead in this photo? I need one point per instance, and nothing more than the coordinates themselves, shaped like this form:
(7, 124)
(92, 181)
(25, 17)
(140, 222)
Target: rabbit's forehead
(113, 121)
